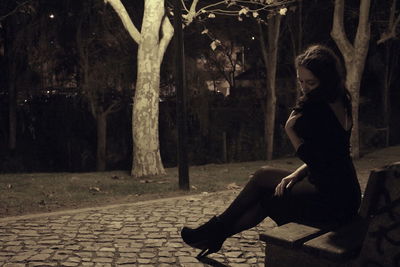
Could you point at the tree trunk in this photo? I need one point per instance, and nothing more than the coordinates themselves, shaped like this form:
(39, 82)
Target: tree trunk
(146, 157)
(101, 160)
(353, 81)
(354, 57)
(270, 54)
(9, 52)
(12, 115)
(146, 150)
(385, 93)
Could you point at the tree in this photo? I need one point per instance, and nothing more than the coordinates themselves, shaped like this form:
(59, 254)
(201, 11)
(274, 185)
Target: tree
(16, 41)
(269, 50)
(153, 39)
(388, 41)
(354, 55)
(273, 12)
(103, 63)
(222, 60)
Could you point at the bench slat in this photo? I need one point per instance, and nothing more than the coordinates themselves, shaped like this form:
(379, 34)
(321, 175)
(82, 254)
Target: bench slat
(340, 245)
(290, 235)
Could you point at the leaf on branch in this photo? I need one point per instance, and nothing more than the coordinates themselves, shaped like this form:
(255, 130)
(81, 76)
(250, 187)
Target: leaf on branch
(269, 2)
(215, 44)
(211, 16)
(255, 14)
(205, 31)
(243, 11)
(283, 11)
(231, 3)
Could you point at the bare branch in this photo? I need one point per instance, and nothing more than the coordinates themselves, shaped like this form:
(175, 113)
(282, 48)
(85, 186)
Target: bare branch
(114, 107)
(393, 23)
(363, 29)
(14, 10)
(168, 32)
(263, 6)
(392, 14)
(338, 32)
(126, 20)
(192, 12)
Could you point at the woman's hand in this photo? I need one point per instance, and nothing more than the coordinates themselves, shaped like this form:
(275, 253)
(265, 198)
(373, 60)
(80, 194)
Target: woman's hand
(286, 183)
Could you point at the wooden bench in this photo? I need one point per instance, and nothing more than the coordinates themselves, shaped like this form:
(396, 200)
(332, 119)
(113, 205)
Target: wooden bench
(370, 240)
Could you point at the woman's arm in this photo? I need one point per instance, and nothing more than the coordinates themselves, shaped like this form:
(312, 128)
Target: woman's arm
(296, 141)
(293, 137)
(291, 179)
(300, 172)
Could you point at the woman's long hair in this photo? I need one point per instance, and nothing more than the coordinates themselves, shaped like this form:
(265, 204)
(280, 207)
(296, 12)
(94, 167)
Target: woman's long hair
(326, 66)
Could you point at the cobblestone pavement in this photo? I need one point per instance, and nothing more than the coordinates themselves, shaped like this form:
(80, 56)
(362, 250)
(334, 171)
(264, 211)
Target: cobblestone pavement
(139, 234)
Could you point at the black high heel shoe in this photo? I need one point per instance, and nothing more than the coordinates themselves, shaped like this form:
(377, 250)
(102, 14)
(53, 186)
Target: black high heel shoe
(209, 237)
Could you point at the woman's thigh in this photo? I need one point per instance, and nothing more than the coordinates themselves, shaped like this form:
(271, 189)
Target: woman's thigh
(267, 178)
(302, 203)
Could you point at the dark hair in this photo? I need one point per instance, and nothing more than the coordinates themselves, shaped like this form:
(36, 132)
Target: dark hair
(327, 67)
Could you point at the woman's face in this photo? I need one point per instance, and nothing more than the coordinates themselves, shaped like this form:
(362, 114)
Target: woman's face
(307, 80)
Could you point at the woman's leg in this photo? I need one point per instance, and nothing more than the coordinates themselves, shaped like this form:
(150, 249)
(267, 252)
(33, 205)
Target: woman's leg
(246, 210)
(251, 218)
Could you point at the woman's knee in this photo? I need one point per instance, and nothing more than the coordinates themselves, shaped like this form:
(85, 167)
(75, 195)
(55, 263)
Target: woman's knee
(267, 171)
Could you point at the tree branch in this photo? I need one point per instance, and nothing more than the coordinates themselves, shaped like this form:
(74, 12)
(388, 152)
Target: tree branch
(338, 32)
(363, 29)
(114, 107)
(168, 33)
(392, 25)
(126, 20)
(14, 10)
(192, 12)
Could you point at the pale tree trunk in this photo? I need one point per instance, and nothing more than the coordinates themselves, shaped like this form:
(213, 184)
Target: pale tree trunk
(354, 56)
(270, 55)
(146, 149)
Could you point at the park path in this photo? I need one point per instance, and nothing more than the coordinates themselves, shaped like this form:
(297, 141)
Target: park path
(137, 234)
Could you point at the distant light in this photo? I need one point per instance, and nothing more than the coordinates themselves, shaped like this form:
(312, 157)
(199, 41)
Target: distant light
(51, 16)
(48, 92)
(253, 38)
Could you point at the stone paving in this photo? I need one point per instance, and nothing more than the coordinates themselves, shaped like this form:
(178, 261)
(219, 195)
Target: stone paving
(137, 234)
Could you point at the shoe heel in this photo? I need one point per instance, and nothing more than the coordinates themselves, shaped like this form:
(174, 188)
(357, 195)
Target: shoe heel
(207, 251)
(203, 253)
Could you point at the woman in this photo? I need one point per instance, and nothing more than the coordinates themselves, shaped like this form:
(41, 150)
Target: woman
(325, 188)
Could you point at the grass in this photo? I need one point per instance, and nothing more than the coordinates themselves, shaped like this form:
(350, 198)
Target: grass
(27, 193)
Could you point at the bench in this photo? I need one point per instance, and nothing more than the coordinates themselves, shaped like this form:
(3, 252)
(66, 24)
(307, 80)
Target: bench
(371, 239)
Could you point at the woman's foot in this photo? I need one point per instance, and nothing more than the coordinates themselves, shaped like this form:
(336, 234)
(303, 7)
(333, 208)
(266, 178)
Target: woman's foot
(209, 237)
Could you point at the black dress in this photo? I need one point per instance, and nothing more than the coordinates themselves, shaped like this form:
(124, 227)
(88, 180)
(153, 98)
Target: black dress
(330, 192)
